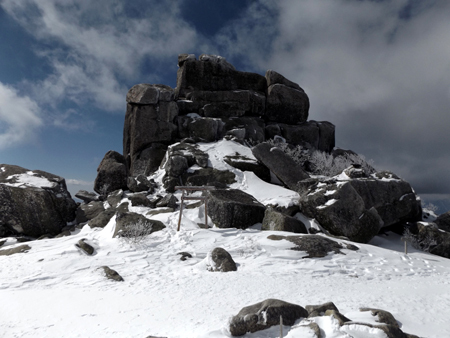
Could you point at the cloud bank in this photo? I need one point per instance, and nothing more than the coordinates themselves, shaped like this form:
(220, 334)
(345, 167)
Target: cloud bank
(20, 117)
(379, 70)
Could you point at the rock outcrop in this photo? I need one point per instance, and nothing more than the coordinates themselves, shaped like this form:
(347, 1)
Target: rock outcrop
(33, 203)
(213, 100)
(358, 208)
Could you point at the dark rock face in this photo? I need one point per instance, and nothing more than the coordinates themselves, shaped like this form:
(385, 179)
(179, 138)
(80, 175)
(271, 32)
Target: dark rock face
(213, 73)
(111, 174)
(149, 124)
(359, 208)
(234, 209)
(443, 221)
(246, 164)
(286, 105)
(430, 238)
(316, 246)
(102, 219)
(221, 260)
(274, 220)
(212, 177)
(280, 164)
(265, 314)
(86, 212)
(178, 159)
(33, 203)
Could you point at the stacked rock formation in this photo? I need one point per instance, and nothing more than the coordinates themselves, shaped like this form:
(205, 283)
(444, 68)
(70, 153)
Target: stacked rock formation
(213, 100)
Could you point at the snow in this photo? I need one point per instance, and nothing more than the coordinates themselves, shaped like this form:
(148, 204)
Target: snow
(29, 179)
(327, 204)
(55, 290)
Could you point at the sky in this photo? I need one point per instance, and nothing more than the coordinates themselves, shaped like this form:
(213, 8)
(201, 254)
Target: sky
(377, 69)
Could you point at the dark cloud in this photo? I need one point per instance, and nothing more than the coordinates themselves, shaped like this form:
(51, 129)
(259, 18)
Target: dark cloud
(378, 70)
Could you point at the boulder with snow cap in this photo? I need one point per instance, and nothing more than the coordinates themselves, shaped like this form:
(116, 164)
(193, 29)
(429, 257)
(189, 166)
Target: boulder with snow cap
(265, 314)
(358, 208)
(33, 203)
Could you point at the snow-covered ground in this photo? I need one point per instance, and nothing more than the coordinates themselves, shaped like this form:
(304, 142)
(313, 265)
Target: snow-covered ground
(55, 290)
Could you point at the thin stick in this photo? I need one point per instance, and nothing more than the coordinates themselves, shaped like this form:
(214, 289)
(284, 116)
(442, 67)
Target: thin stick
(181, 210)
(281, 326)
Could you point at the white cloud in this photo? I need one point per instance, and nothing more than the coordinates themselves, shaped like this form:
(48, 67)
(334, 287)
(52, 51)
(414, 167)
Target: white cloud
(20, 117)
(73, 181)
(97, 46)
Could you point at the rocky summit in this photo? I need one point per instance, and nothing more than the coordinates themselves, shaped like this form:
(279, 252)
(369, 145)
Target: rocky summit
(260, 193)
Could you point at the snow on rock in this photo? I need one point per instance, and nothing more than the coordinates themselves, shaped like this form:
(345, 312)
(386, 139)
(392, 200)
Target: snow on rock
(29, 179)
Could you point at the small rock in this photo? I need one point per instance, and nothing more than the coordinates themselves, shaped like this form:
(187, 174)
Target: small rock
(112, 274)
(221, 260)
(184, 255)
(86, 248)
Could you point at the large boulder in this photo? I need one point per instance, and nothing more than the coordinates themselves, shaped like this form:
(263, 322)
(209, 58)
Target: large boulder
(33, 203)
(280, 164)
(286, 105)
(214, 73)
(132, 225)
(263, 315)
(234, 209)
(274, 220)
(443, 221)
(428, 237)
(359, 208)
(111, 174)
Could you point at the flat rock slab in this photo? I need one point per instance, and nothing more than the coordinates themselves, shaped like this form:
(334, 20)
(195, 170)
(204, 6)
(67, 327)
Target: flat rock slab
(17, 249)
(316, 246)
(280, 164)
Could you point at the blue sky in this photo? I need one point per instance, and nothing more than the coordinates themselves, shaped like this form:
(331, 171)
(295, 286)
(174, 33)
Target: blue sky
(378, 70)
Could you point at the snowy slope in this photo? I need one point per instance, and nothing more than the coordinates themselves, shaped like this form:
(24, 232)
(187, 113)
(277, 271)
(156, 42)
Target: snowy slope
(55, 290)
